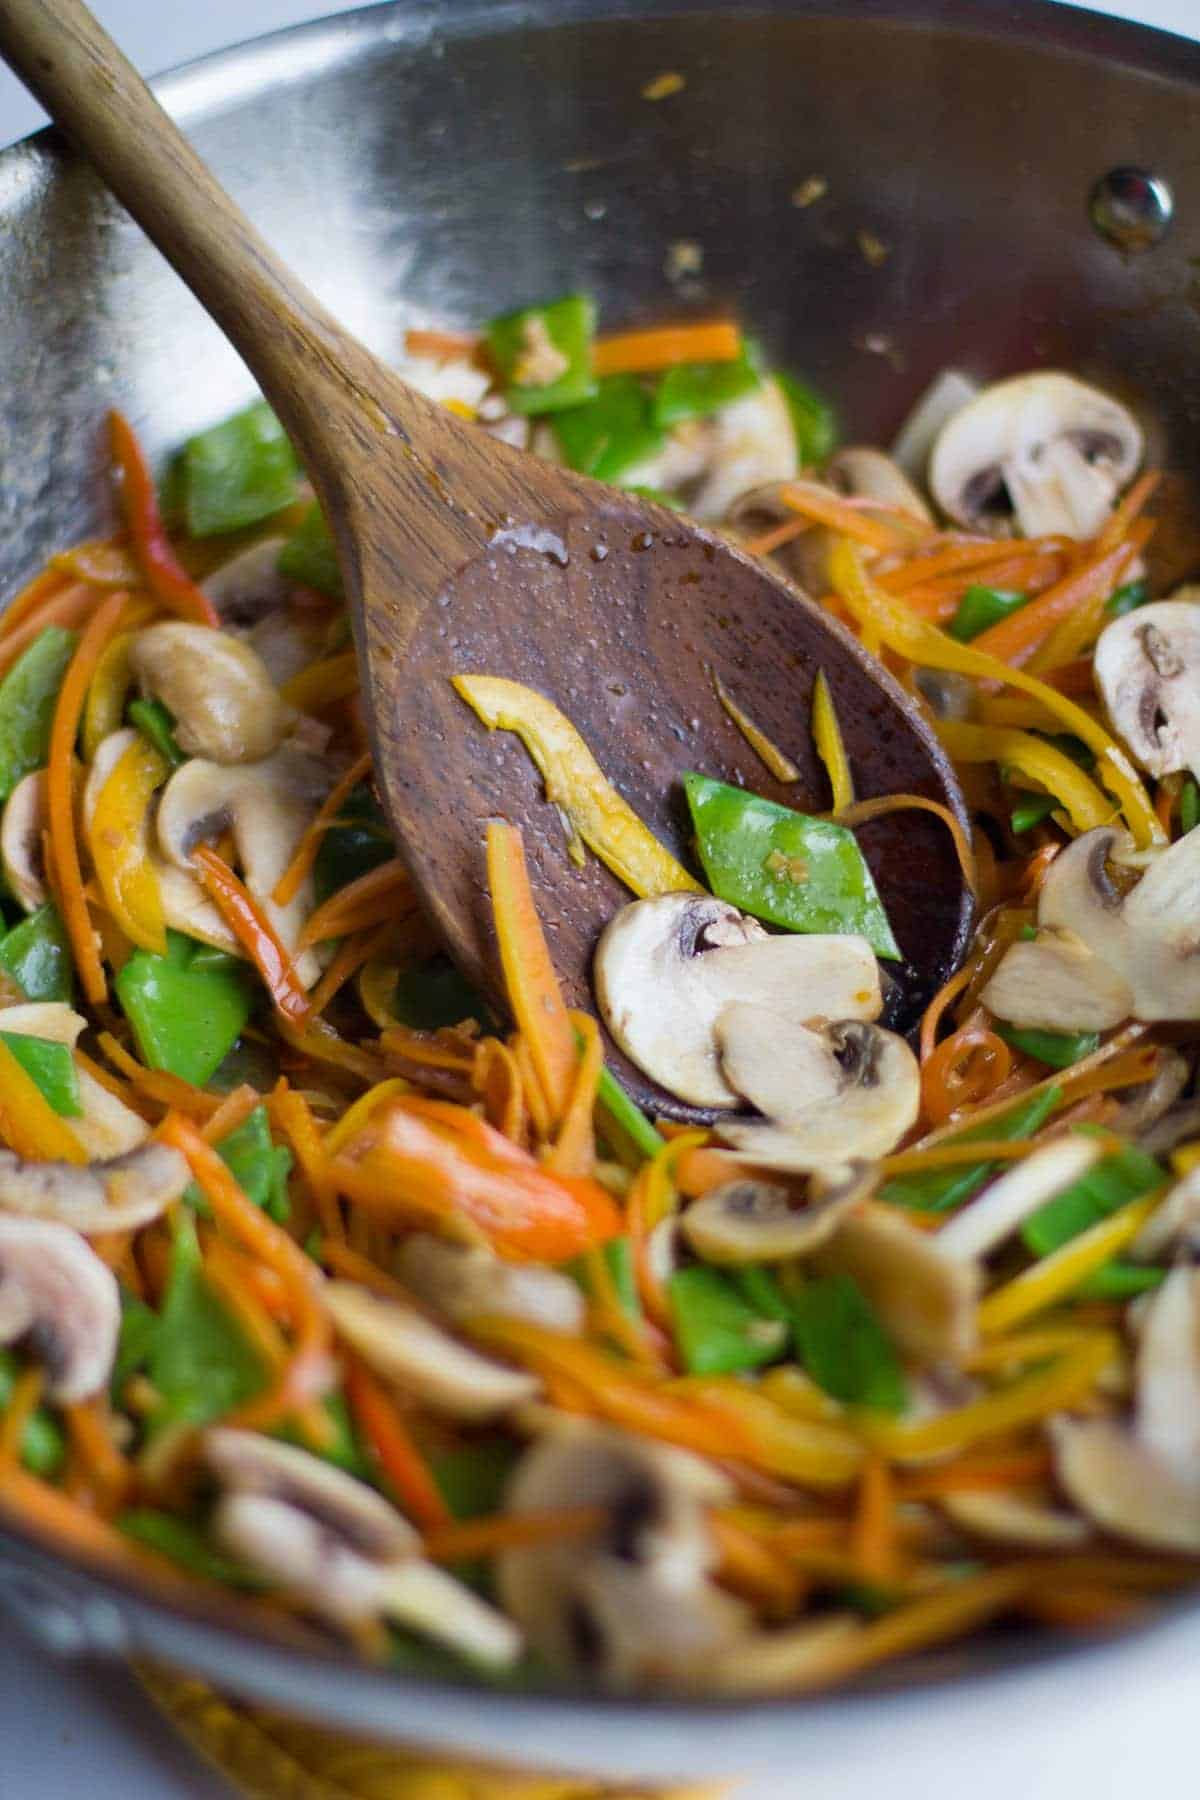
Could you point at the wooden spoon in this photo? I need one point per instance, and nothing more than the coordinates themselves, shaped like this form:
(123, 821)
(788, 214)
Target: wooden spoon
(461, 554)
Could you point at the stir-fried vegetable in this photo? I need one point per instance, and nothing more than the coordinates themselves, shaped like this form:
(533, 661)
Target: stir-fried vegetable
(321, 1278)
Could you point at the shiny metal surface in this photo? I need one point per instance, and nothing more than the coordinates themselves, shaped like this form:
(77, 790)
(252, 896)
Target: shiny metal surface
(419, 161)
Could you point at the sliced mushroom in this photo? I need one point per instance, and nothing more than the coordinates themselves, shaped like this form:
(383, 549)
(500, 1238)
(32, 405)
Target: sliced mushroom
(341, 1547)
(285, 644)
(463, 1281)
(121, 1194)
(752, 1221)
(868, 474)
(751, 442)
(1173, 1225)
(1044, 448)
(225, 705)
(21, 841)
(1010, 1519)
(666, 969)
(925, 1297)
(1147, 667)
(106, 1127)
(57, 1297)
(1009, 1200)
(249, 586)
(1143, 1106)
(841, 1091)
(268, 806)
(634, 1603)
(1117, 1480)
(426, 1362)
(941, 401)
(1168, 1370)
(1057, 984)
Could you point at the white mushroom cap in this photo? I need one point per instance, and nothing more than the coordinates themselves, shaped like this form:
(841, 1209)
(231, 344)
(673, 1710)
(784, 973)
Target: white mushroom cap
(667, 968)
(751, 1221)
(1055, 450)
(341, 1547)
(21, 840)
(1011, 1519)
(426, 1362)
(463, 1281)
(1147, 667)
(842, 1091)
(58, 1297)
(223, 701)
(635, 1603)
(924, 1296)
(122, 1194)
(1009, 1200)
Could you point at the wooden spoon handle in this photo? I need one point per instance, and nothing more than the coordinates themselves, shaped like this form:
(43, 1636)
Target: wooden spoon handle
(90, 88)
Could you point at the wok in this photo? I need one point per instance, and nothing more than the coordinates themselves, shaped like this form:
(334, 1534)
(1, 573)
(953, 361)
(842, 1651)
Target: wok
(420, 162)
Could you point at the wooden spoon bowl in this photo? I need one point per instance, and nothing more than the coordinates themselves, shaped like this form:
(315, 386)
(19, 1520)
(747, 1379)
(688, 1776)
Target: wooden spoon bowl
(460, 554)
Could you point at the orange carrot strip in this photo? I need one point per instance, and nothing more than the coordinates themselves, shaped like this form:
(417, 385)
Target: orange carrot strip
(821, 505)
(444, 346)
(776, 538)
(352, 953)
(574, 1151)
(873, 1539)
(254, 932)
(233, 1111)
(958, 558)
(756, 1569)
(864, 810)
(170, 1091)
(60, 803)
(963, 1071)
(533, 991)
(22, 1404)
(464, 1541)
(398, 1457)
(1013, 1471)
(1014, 640)
(1118, 524)
(165, 574)
(345, 1261)
(368, 901)
(932, 1016)
(34, 594)
(496, 1078)
(69, 608)
(307, 1374)
(107, 1470)
(644, 352)
(288, 885)
(294, 1116)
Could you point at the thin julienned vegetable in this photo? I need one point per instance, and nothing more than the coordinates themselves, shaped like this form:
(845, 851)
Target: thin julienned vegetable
(386, 1249)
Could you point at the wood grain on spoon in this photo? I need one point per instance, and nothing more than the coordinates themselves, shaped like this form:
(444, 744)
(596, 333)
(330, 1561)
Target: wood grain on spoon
(461, 554)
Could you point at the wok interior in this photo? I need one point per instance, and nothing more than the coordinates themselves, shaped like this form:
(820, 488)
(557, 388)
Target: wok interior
(406, 174)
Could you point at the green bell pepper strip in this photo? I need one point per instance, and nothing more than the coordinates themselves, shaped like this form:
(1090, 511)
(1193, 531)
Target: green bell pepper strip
(1110, 1184)
(260, 1168)
(1032, 811)
(803, 873)
(51, 1068)
(1120, 1280)
(135, 1342)
(309, 556)
(344, 1449)
(983, 606)
(625, 1128)
(431, 994)
(618, 1258)
(697, 390)
(843, 1346)
(611, 433)
(43, 1444)
(760, 1289)
(184, 1544)
(186, 1016)
(941, 1189)
(28, 694)
(813, 420)
(717, 1330)
(156, 725)
(472, 1478)
(358, 843)
(238, 472)
(36, 955)
(1189, 806)
(1127, 599)
(1057, 1049)
(513, 339)
(201, 1361)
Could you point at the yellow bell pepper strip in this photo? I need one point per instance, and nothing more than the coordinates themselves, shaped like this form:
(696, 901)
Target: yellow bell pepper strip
(1029, 1399)
(1031, 756)
(920, 642)
(576, 783)
(827, 736)
(323, 683)
(780, 766)
(119, 839)
(101, 562)
(28, 1123)
(104, 707)
(1058, 1274)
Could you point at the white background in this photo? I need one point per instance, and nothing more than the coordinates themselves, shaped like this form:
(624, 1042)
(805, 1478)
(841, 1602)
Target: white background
(66, 1732)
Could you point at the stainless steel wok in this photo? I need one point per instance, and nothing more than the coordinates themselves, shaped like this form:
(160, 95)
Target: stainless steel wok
(420, 161)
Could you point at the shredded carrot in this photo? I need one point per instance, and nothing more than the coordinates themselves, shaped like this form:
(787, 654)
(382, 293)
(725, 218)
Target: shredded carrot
(961, 558)
(401, 1462)
(533, 990)
(373, 899)
(574, 1150)
(932, 1016)
(254, 932)
(22, 1404)
(471, 1538)
(109, 1474)
(496, 1078)
(294, 1116)
(862, 811)
(964, 1070)
(288, 885)
(967, 1475)
(1014, 640)
(822, 506)
(645, 352)
(873, 1540)
(756, 1569)
(444, 346)
(164, 573)
(769, 541)
(1120, 521)
(68, 608)
(34, 594)
(352, 953)
(233, 1111)
(167, 1090)
(60, 802)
